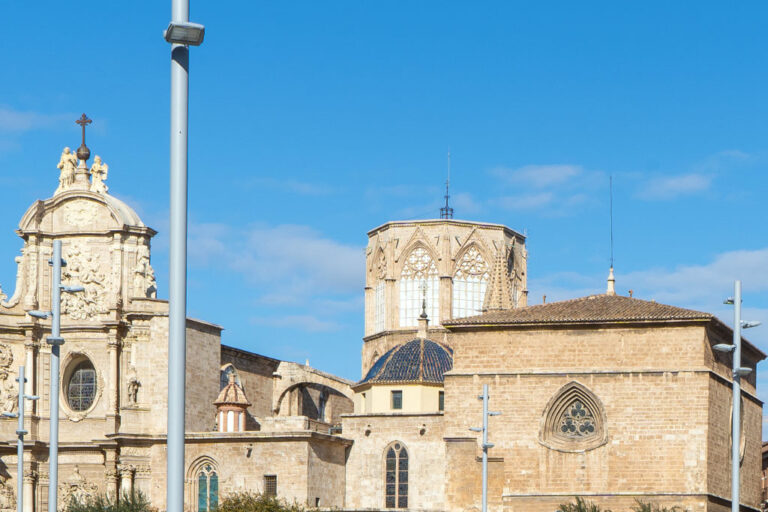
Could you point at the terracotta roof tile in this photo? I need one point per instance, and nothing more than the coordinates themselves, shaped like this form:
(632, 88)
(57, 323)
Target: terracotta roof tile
(591, 309)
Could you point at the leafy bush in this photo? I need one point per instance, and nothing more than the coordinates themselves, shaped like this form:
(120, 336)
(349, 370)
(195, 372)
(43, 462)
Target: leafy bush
(252, 502)
(581, 505)
(135, 502)
(648, 507)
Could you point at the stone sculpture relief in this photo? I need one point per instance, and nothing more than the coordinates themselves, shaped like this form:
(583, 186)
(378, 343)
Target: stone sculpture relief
(80, 213)
(67, 165)
(76, 489)
(9, 393)
(143, 275)
(84, 269)
(99, 172)
(7, 496)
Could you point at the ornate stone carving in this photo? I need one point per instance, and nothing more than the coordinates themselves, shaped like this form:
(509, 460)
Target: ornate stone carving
(30, 475)
(67, 165)
(84, 269)
(80, 213)
(9, 393)
(143, 275)
(7, 496)
(76, 489)
(99, 172)
(133, 390)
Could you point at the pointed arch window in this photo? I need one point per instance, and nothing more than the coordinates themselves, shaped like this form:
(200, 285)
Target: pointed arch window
(396, 479)
(419, 281)
(379, 294)
(469, 284)
(574, 420)
(207, 489)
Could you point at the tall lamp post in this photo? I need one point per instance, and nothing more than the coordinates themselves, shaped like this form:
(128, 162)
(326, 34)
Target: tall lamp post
(20, 442)
(486, 445)
(738, 373)
(55, 341)
(180, 33)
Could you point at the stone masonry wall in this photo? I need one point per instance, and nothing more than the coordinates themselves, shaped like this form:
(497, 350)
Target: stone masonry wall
(365, 464)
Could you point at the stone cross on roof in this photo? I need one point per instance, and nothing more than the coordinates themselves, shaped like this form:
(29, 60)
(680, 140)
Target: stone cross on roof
(83, 153)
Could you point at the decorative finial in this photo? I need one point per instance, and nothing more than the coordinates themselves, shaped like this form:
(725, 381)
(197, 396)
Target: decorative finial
(423, 319)
(446, 212)
(83, 153)
(611, 290)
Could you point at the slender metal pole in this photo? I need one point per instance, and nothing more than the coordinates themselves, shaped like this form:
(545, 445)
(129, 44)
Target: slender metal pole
(485, 447)
(177, 302)
(55, 341)
(736, 416)
(20, 447)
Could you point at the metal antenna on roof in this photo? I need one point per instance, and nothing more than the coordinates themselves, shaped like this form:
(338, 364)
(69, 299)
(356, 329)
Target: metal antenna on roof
(446, 212)
(611, 289)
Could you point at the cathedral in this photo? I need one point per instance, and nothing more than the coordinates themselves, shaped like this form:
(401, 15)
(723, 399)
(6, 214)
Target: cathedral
(608, 397)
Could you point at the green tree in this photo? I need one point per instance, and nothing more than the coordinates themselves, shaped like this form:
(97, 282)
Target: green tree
(252, 502)
(581, 505)
(649, 507)
(135, 502)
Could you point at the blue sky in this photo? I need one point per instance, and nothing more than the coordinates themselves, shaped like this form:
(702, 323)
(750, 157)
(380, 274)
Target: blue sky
(313, 122)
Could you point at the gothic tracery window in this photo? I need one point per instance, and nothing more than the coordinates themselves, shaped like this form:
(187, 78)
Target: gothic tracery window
(419, 281)
(574, 420)
(469, 284)
(396, 481)
(207, 489)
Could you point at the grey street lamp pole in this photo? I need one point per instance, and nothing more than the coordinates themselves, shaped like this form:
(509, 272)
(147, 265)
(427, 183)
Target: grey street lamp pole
(486, 445)
(180, 33)
(20, 443)
(55, 341)
(738, 373)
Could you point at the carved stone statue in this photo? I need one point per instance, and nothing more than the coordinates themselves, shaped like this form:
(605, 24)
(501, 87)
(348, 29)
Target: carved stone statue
(144, 275)
(99, 172)
(9, 395)
(133, 390)
(67, 164)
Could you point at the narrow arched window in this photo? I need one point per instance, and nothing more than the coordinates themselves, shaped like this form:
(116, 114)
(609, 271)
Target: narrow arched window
(469, 284)
(396, 477)
(224, 376)
(207, 489)
(419, 281)
(379, 294)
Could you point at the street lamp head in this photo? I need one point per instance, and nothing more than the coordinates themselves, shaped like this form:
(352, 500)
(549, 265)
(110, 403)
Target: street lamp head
(723, 347)
(748, 325)
(185, 33)
(72, 289)
(729, 300)
(10, 415)
(39, 314)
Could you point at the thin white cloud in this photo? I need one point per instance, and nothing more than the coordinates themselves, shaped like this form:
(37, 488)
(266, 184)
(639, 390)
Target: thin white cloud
(672, 187)
(289, 266)
(539, 176)
(17, 121)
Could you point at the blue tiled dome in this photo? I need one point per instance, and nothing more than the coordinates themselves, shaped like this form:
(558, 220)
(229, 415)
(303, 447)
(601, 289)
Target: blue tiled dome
(418, 360)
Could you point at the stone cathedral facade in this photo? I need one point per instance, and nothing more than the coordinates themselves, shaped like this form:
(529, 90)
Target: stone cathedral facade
(608, 397)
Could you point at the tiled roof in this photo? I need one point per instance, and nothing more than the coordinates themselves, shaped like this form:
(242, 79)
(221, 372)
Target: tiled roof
(591, 309)
(232, 394)
(418, 360)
